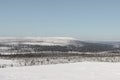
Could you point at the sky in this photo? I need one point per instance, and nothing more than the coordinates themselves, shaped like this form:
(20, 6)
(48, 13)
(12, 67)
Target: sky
(83, 19)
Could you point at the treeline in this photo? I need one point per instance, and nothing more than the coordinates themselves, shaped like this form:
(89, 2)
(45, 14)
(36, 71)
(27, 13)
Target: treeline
(27, 48)
(42, 55)
(88, 47)
(30, 61)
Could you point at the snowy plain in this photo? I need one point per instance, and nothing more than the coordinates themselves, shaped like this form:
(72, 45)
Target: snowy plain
(71, 71)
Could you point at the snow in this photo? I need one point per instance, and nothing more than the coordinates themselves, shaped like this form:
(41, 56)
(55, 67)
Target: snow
(7, 63)
(72, 71)
(4, 48)
(37, 40)
(3, 61)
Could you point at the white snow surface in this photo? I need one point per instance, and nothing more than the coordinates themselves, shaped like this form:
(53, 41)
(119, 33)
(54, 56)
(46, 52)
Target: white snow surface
(38, 40)
(3, 61)
(72, 71)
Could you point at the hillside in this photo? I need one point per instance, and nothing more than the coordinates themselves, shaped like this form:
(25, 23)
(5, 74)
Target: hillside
(29, 51)
(29, 45)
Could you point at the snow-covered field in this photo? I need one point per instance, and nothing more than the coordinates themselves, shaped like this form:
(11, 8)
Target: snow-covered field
(72, 71)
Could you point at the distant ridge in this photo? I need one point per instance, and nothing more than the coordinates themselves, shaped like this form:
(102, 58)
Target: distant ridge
(38, 40)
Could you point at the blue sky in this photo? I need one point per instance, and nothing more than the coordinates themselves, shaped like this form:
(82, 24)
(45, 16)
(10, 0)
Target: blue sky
(83, 19)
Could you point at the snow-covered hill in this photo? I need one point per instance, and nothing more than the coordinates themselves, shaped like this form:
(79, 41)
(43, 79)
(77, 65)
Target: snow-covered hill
(72, 71)
(37, 40)
(24, 45)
